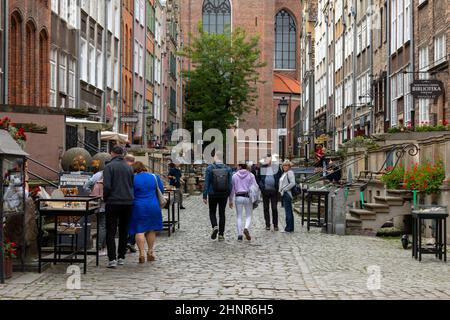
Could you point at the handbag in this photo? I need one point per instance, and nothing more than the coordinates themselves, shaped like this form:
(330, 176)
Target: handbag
(296, 190)
(162, 200)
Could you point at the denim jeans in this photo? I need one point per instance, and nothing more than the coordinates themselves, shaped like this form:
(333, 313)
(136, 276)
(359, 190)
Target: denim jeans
(287, 201)
(221, 203)
(270, 199)
(102, 230)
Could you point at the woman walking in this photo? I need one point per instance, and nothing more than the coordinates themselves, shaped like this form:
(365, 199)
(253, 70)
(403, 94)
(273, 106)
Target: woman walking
(287, 182)
(242, 182)
(146, 218)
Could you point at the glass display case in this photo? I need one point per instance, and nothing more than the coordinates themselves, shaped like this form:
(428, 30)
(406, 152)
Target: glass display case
(12, 190)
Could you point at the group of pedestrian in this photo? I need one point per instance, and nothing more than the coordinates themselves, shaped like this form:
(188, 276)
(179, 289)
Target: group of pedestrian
(242, 190)
(130, 204)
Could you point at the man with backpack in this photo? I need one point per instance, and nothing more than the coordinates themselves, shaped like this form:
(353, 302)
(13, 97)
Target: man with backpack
(216, 191)
(268, 181)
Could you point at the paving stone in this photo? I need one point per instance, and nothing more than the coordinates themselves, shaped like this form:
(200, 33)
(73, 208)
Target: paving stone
(274, 265)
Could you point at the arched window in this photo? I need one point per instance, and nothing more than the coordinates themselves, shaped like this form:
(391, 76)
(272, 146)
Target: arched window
(216, 15)
(44, 68)
(30, 73)
(16, 62)
(285, 41)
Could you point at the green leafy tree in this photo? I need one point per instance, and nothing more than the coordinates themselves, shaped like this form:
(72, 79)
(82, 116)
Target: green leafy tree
(221, 86)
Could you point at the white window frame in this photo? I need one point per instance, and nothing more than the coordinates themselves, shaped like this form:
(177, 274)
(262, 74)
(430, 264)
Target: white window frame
(53, 77)
(92, 68)
(62, 75)
(440, 49)
(71, 83)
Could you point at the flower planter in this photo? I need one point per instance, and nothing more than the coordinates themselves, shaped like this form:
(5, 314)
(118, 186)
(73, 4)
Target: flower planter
(8, 268)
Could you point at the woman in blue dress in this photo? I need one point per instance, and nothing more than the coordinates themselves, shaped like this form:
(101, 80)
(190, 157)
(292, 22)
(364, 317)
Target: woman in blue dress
(146, 218)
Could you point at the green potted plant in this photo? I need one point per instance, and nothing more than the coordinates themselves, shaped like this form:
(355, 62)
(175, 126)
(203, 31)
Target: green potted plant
(393, 178)
(10, 252)
(426, 177)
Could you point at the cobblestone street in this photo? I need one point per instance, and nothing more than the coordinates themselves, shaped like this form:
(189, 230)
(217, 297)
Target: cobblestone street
(274, 265)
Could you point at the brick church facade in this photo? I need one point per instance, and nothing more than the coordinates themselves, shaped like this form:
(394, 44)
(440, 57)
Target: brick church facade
(277, 22)
(29, 41)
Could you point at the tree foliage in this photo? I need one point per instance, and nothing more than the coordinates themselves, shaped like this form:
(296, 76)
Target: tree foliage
(222, 84)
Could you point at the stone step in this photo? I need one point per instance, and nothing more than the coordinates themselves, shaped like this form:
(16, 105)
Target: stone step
(352, 221)
(363, 214)
(392, 201)
(377, 207)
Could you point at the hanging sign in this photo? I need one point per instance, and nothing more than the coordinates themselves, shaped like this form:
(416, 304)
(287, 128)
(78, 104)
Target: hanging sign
(427, 89)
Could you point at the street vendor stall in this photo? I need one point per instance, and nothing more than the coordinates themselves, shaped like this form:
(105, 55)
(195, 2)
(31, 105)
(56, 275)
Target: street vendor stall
(71, 217)
(12, 192)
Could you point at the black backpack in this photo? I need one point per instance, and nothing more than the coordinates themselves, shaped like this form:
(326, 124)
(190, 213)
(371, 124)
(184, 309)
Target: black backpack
(220, 180)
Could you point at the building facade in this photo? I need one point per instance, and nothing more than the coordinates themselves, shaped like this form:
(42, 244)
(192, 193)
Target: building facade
(92, 51)
(431, 56)
(127, 67)
(139, 53)
(401, 61)
(3, 50)
(307, 50)
(380, 68)
(28, 52)
(111, 101)
(148, 110)
(278, 25)
(64, 54)
(170, 65)
(158, 123)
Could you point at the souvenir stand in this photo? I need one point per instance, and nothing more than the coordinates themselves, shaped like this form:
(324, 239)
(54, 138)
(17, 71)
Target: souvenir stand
(12, 191)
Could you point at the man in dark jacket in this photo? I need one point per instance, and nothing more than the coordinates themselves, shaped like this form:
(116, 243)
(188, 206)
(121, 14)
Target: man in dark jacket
(118, 195)
(268, 181)
(175, 177)
(217, 198)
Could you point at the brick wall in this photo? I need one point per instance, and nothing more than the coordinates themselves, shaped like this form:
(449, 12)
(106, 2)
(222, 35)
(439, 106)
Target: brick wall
(256, 17)
(432, 19)
(30, 26)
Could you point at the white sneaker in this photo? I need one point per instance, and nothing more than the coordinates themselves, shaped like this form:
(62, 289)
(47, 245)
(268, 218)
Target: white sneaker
(103, 253)
(121, 262)
(112, 264)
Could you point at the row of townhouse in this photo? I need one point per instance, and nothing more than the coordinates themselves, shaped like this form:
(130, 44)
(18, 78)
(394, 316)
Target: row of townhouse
(110, 58)
(359, 58)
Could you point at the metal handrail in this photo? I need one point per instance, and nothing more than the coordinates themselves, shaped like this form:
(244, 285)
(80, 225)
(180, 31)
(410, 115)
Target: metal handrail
(43, 179)
(42, 165)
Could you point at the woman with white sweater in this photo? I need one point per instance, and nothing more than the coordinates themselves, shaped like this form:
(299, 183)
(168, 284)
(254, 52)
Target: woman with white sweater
(287, 182)
(242, 184)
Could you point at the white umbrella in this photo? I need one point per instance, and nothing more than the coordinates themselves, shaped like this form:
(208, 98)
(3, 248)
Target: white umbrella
(114, 136)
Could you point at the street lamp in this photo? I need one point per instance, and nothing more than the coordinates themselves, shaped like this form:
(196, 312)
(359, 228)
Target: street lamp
(282, 107)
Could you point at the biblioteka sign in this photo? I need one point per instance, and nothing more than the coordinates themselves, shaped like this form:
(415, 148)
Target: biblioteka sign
(427, 89)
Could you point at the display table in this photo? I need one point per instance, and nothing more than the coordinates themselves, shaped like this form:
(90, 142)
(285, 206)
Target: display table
(309, 195)
(173, 211)
(75, 208)
(439, 215)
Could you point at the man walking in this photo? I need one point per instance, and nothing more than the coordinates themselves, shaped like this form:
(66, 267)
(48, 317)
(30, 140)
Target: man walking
(175, 179)
(118, 196)
(268, 181)
(216, 191)
(130, 160)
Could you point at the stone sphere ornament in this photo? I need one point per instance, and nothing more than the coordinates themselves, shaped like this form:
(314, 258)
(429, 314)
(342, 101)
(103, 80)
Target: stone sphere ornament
(76, 159)
(99, 160)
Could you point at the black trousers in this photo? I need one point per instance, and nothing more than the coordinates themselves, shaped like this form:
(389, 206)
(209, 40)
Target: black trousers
(215, 202)
(270, 198)
(117, 215)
